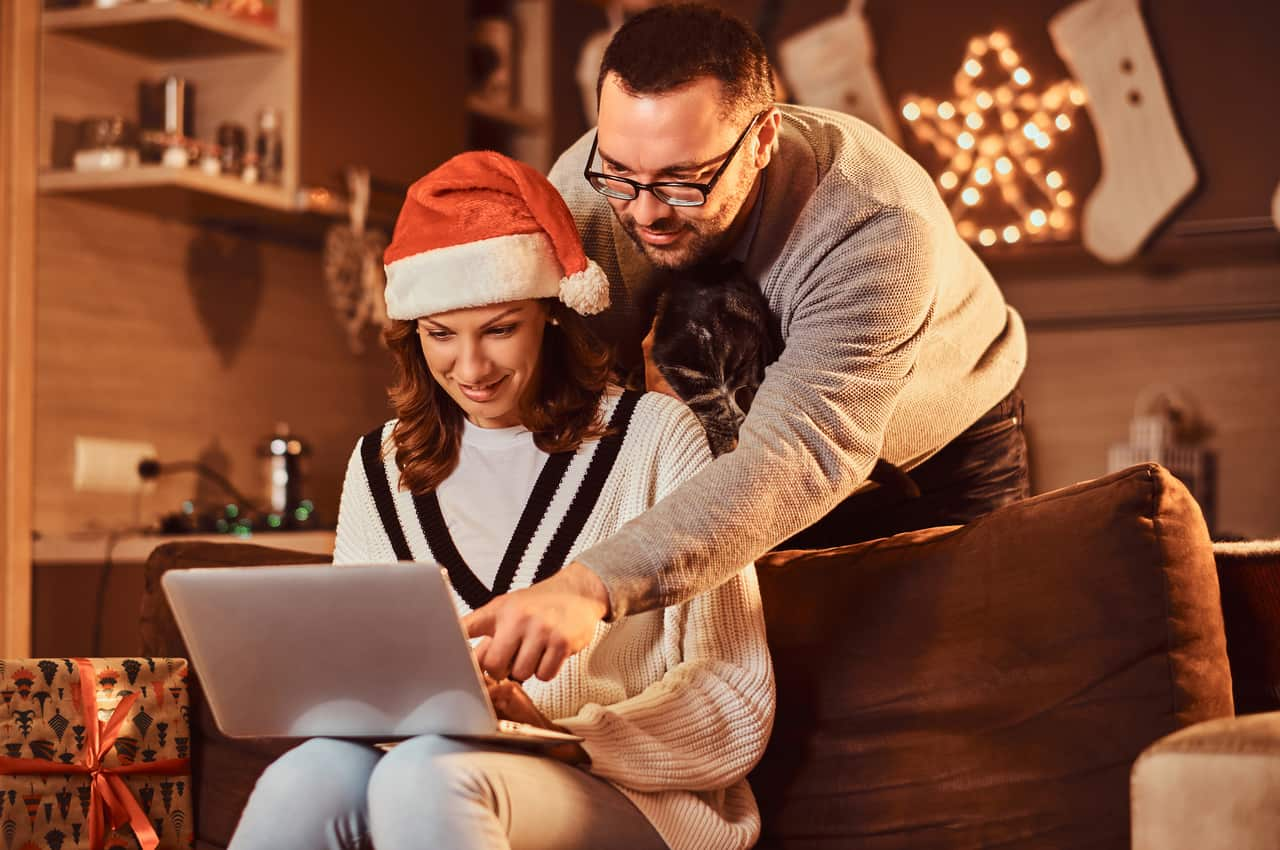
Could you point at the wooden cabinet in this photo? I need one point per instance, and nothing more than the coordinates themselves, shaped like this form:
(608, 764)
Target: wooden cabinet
(379, 85)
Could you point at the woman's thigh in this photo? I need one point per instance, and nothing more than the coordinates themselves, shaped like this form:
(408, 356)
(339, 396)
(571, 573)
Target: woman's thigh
(468, 795)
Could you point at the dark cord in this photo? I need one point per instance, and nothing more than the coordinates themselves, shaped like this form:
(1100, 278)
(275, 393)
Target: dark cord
(152, 468)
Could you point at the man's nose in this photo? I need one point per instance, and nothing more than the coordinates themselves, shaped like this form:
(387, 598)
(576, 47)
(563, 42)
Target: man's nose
(646, 209)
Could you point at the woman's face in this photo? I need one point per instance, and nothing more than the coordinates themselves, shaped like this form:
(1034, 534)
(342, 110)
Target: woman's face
(486, 358)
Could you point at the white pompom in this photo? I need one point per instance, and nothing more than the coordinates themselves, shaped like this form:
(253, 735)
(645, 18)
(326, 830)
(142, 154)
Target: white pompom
(586, 292)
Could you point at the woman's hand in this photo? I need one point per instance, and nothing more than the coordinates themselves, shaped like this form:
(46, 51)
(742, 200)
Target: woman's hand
(510, 702)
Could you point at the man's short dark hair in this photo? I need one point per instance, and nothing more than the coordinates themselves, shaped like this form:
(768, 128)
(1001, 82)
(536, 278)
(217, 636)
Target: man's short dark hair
(666, 47)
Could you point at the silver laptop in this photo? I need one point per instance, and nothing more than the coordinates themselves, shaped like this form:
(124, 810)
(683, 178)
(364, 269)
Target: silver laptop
(371, 651)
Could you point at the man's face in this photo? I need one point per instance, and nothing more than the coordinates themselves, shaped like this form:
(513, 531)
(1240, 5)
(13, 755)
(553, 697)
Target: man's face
(680, 135)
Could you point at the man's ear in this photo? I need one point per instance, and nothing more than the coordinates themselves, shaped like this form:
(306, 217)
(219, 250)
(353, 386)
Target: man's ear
(767, 137)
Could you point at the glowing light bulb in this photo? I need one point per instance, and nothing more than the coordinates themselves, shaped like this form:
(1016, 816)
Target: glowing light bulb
(1030, 130)
(973, 67)
(984, 99)
(1054, 179)
(1022, 76)
(982, 176)
(973, 120)
(998, 39)
(1062, 122)
(1057, 219)
(1004, 95)
(1009, 120)
(1065, 198)
(1011, 234)
(965, 140)
(1009, 57)
(971, 196)
(1004, 165)
(946, 110)
(964, 160)
(1042, 141)
(987, 237)
(948, 180)
(1031, 165)
(1077, 96)
(991, 145)
(967, 229)
(977, 46)
(1037, 218)
(911, 111)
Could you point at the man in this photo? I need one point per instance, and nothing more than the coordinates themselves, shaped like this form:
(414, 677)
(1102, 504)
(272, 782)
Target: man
(897, 342)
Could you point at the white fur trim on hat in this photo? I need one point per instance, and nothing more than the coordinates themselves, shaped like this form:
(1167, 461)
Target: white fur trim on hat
(472, 274)
(586, 292)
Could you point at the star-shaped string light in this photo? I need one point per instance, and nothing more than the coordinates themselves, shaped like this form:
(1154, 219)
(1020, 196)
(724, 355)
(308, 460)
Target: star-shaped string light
(993, 135)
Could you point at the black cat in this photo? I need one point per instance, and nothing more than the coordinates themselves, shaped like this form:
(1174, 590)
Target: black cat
(713, 336)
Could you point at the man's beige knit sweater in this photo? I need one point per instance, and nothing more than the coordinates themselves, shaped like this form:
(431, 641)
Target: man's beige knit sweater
(675, 706)
(896, 340)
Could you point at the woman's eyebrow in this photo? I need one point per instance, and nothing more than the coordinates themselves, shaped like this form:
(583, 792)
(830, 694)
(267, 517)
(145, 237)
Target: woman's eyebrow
(503, 315)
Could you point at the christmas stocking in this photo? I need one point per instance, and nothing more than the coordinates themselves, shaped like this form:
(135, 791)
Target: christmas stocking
(1146, 170)
(832, 65)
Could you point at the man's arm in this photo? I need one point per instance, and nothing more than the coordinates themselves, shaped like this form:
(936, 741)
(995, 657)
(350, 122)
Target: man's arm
(815, 429)
(814, 432)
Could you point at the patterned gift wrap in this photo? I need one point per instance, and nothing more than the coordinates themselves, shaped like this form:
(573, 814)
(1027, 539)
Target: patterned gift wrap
(94, 754)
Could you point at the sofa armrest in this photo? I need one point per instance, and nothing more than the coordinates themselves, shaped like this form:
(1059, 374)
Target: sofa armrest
(1212, 785)
(159, 632)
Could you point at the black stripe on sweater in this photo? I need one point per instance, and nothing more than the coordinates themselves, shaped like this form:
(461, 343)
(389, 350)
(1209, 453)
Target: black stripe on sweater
(375, 471)
(584, 501)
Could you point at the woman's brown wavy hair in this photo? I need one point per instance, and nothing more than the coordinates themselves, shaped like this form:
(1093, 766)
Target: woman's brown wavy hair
(562, 409)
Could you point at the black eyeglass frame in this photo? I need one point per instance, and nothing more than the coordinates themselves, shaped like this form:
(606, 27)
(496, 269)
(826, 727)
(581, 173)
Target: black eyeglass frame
(703, 188)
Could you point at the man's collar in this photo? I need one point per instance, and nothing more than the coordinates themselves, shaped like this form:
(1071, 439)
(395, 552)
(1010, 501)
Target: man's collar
(742, 246)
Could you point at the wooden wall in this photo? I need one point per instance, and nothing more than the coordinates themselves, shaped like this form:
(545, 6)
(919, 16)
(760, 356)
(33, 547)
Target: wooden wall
(193, 339)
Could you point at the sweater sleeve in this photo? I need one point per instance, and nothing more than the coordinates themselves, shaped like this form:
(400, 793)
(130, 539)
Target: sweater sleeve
(356, 511)
(705, 723)
(815, 428)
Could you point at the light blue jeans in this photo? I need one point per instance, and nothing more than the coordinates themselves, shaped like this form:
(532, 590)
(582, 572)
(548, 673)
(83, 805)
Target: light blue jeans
(432, 792)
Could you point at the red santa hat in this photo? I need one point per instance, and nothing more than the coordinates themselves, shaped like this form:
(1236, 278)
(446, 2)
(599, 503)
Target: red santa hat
(483, 229)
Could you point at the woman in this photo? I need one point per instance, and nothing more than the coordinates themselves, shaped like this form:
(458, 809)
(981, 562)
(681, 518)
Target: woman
(510, 453)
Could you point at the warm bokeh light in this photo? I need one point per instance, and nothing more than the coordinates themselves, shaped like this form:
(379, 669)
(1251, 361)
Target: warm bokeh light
(995, 134)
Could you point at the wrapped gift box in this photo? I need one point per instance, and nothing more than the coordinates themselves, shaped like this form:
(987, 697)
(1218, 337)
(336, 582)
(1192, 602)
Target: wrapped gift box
(94, 754)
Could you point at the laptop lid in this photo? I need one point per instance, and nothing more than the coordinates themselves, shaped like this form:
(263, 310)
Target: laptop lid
(371, 651)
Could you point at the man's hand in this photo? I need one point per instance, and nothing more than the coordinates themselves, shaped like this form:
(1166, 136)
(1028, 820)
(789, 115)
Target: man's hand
(533, 630)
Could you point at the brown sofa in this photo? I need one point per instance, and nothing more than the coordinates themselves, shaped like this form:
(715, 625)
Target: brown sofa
(981, 686)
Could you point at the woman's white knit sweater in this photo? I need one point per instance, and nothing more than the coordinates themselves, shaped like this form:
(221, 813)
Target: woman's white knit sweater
(675, 705)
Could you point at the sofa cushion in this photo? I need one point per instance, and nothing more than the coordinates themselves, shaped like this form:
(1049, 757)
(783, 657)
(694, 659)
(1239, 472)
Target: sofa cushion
(224, 769)
(1249, 577)
(990, 685)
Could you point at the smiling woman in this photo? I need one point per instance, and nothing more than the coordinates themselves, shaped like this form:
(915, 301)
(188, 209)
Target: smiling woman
(511, 453)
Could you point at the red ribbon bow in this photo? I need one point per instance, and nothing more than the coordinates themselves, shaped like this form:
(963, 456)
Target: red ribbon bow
(110, 799)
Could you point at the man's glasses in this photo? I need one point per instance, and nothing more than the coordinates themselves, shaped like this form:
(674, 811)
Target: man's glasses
(676, 193)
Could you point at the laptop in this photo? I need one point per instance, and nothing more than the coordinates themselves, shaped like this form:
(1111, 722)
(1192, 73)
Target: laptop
(374, 651)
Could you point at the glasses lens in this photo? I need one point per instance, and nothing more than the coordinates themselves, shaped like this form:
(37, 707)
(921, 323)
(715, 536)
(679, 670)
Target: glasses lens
(612, 187)
(680, 196)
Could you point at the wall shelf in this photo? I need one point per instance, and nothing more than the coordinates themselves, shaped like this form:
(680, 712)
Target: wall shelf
(145, 177)
(520, 119)
(167, 29)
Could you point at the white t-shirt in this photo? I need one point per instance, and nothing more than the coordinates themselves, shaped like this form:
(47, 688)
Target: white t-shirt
(483, 499)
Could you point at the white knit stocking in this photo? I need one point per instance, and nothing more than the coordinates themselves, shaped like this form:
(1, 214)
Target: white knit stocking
(1146, 169)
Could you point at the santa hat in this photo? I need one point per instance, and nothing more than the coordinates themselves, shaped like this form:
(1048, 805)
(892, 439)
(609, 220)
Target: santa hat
(483, 229)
